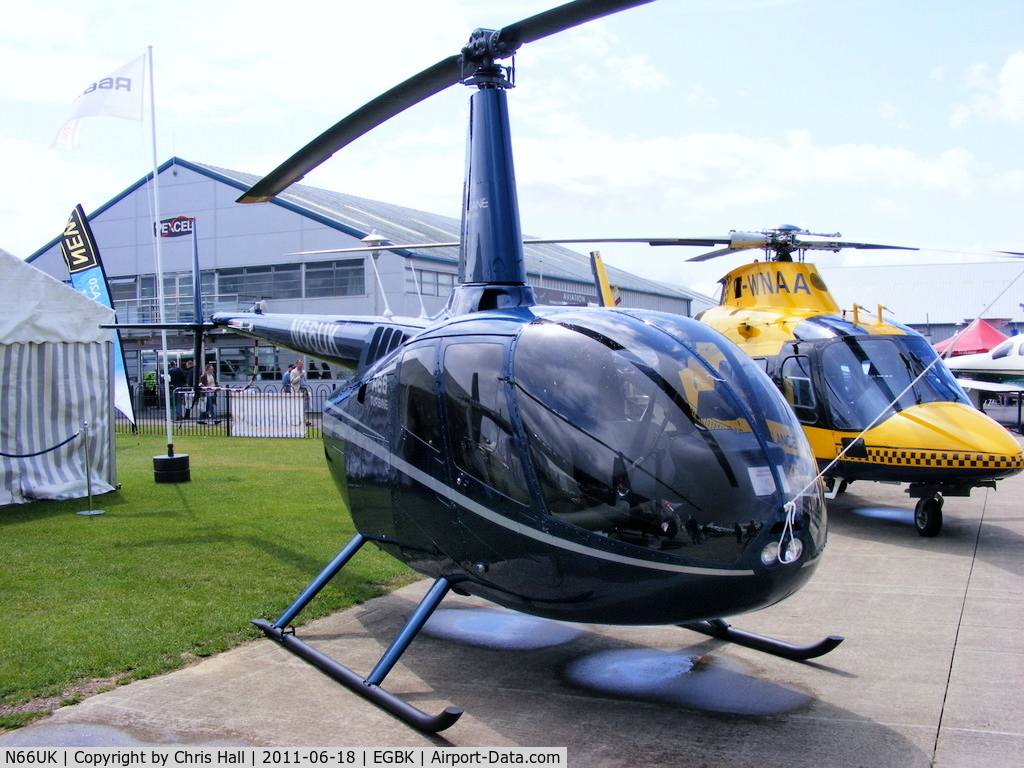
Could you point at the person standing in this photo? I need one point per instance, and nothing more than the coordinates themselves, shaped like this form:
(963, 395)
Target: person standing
(208, 383)
(298, 380)
(298, 376)
(179, 381)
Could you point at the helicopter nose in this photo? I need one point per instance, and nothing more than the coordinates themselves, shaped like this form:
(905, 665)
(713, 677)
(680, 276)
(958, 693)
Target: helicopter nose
(948, 436)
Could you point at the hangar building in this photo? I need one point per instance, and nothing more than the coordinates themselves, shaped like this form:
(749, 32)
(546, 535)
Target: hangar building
(247, 253)
(937, 300)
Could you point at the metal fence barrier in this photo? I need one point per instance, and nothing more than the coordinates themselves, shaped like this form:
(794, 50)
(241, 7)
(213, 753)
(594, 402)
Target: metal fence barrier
(150, 416)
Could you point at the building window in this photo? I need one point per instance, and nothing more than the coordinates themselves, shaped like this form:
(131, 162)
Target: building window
(123, 288)
(136, 299)
(425, 282)
(335, 278)
(273, 281)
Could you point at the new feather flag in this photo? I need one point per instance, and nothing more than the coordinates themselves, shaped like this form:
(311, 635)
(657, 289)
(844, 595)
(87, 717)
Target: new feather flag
(117, 95)
(82, 257)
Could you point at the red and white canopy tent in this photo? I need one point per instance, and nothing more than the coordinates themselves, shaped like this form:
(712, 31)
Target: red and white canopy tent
(979, 336)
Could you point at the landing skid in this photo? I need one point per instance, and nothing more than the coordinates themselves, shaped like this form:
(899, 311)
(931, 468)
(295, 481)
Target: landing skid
(368, 687)
(721, 630)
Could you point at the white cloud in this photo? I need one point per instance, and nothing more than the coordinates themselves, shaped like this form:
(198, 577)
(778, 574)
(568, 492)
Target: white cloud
(717, 171)
(46, 187)
(1011, 89)
(637, 73)
(1000, 99)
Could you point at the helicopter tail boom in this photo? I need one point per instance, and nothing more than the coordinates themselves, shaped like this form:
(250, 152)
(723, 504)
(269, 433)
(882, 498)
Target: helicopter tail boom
(346, 341)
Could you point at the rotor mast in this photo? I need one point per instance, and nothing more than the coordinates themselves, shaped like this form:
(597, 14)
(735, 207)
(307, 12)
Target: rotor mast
(492, 268)
(783, 242)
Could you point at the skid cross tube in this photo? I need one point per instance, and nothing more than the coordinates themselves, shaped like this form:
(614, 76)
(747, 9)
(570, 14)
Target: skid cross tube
(321, 580)
(368, 687)
(721, 630)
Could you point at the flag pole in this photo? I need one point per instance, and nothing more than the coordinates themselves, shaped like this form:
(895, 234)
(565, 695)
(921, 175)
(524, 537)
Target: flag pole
(159, 263)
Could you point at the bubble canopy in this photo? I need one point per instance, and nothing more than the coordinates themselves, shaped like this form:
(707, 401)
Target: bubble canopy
(663, 436)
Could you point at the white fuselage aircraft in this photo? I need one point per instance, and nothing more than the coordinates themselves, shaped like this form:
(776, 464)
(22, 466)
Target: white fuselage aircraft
(998, 371)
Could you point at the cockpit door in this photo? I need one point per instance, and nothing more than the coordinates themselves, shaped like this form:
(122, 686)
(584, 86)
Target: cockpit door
(486, 460)
(421, 473)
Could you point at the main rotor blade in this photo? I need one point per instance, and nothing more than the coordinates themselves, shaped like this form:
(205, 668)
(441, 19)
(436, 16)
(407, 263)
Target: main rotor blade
(648, 240)
(737, 241)
(414, 90)
(689, 241)
(432, 80)
(526, 241)
(560, 19)
(372, 248)
(455, 244)
(746, 241)
(836, 245)
(712, 254)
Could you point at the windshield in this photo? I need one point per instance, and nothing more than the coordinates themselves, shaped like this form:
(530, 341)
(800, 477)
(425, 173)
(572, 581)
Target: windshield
(870, 378)
(639, 437)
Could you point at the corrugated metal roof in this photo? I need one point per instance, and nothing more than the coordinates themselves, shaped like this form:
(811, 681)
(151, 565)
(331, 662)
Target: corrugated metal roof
(935, 293)
(408, 225)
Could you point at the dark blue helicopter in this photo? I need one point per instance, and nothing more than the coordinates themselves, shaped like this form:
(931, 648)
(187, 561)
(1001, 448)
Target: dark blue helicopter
(592, 465)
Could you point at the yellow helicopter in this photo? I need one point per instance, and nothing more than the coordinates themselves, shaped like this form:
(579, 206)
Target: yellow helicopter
(874, 400)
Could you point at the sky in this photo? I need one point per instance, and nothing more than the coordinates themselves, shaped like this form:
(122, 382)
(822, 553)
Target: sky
(889, 122)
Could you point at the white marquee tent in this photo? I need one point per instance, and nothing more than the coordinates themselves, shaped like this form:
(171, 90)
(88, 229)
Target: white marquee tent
(56, 397)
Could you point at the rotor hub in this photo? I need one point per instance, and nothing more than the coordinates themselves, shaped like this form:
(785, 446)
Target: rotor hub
(487, 44)
(479, 58)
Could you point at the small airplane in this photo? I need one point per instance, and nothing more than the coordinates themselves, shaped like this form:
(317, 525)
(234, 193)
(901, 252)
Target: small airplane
(998, 371)
(581, 464)
(875, 401)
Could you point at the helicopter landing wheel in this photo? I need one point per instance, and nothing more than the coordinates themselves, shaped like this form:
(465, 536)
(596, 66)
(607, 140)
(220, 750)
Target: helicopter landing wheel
(834, 486)
(928, 516)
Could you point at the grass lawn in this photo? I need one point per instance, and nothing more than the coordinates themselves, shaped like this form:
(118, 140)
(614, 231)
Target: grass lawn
(170, 571)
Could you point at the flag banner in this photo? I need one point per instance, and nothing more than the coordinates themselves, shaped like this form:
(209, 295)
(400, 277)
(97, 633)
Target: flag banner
(117, 95)
(82, 258)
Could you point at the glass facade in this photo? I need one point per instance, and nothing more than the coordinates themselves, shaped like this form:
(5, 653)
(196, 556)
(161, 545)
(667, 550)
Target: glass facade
(335, 278)
(271, 281)
(426, 282)
(136, 296)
